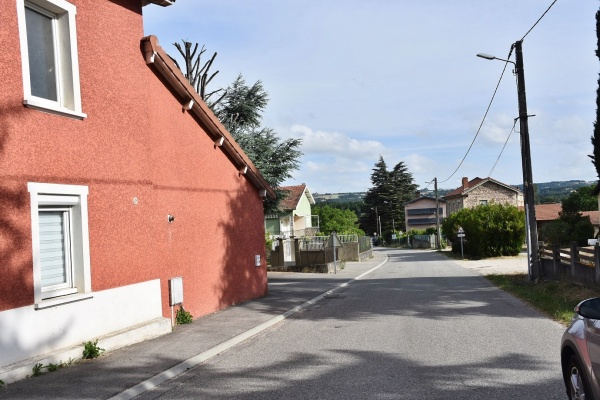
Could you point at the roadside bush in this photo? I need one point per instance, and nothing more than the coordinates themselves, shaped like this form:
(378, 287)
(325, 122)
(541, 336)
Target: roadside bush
(490, 230)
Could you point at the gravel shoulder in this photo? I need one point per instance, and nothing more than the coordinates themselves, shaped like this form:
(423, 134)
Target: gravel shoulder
(500, 265)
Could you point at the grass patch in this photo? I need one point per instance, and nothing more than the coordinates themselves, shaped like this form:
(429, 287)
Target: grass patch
(553, 298)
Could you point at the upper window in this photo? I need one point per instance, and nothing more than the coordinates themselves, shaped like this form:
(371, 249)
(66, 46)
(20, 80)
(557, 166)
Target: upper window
(49, 56)
(60, 243)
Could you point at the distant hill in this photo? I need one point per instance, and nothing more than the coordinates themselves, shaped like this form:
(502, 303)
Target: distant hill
(339, 197)
(547, 192)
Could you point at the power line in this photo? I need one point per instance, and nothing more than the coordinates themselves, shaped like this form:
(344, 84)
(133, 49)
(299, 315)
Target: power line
(536, 22)
(501, 151)
(484, 117)
(492, 99)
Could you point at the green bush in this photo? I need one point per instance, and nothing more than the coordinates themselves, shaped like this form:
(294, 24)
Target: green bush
(183, 317)
(91, 350)
(490, 230)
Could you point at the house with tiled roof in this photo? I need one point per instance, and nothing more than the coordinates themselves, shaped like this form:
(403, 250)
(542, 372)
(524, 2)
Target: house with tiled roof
(122, 194)
(294, 216)
(481, 191)
(545, 213)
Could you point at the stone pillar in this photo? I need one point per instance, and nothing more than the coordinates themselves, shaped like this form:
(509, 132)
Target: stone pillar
(280, 255)
(297, 257)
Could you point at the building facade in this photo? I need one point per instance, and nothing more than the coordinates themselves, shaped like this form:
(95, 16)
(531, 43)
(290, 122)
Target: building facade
(481, 191)
(117, 185)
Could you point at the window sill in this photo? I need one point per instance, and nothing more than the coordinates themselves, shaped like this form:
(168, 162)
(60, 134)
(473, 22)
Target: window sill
(52, 108)
(57, 301)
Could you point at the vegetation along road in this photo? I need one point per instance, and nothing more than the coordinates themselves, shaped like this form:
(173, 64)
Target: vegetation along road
(421, 326)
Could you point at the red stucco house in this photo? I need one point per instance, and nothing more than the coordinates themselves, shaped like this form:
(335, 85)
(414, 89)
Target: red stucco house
(115, 178)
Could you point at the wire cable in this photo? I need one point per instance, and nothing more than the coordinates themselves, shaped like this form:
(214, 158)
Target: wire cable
(536, 22)
(492, 100)
(484, 117)
(501, 151)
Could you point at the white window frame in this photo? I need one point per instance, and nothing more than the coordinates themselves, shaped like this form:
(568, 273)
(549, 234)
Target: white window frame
(73, 200)
(68, 85)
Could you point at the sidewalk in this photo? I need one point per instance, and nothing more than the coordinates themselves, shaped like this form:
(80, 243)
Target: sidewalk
(130, 371)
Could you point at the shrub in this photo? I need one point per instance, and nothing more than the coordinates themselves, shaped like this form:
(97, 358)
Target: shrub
(490, 230)
(91, 349)
(183, 317)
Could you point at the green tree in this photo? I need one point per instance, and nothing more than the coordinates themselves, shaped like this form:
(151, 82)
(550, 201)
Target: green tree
(490, 230)
(343, 222)
(354, 206)
(569, 227)
(375, 198)
(581, 199)
(404, 190)
(384, 201)
(239, 108)
(241, 112)
(596, 136)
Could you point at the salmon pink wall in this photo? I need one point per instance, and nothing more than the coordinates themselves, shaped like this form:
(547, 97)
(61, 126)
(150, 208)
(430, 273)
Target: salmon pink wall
(136, 143)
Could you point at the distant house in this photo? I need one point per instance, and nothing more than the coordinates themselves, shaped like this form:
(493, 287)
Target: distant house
(545, 213)
(294, 217)
(481, 191)
(419, 213)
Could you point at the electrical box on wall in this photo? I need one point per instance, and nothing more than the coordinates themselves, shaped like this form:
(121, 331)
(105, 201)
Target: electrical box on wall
(257, 260)
(176, 290)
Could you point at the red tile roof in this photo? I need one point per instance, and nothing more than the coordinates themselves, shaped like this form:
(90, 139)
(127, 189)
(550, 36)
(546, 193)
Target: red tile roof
(547, 212)
(292, 200)
(594, 216)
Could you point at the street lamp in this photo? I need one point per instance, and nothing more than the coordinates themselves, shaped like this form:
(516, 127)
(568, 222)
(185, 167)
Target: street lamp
(530, 222)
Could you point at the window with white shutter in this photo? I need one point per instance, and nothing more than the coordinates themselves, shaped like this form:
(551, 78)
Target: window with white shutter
(60, 243)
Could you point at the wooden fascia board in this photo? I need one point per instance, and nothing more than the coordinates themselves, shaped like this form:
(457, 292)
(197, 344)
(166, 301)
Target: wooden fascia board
(166, 68)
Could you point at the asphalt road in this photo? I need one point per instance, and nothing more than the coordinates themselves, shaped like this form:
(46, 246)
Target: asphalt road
(420, 326)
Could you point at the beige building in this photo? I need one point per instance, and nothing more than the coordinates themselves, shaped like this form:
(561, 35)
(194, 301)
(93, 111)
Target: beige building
(482, 191)
(419, 213)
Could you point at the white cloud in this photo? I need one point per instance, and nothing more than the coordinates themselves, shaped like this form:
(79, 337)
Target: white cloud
(353, 95)
(335, 144)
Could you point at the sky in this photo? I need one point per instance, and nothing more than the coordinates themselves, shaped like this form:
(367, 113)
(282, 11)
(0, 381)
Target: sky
(360, 79)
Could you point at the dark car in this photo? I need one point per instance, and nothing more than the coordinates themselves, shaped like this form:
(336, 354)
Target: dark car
(580, 352)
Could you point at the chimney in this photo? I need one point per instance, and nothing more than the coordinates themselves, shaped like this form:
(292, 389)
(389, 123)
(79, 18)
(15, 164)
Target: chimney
(417, 194)
(465, 182)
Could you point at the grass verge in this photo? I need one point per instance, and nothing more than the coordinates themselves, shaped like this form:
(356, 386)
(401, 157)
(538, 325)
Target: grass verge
(553, 298)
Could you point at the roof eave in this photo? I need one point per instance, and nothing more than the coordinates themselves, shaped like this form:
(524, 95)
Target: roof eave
(191, 101)
(163, 3)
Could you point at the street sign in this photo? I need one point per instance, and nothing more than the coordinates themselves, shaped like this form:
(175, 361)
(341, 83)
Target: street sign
(333, 241)
(461, 235)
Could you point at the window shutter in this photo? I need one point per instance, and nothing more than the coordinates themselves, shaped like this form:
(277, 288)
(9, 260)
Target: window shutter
(53, 248)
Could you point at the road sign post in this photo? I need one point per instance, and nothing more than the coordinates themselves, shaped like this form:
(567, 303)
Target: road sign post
(461, 235)
(334, 242)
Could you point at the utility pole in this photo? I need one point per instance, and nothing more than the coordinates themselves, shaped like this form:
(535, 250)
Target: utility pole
(532, 237)
(438, 239)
